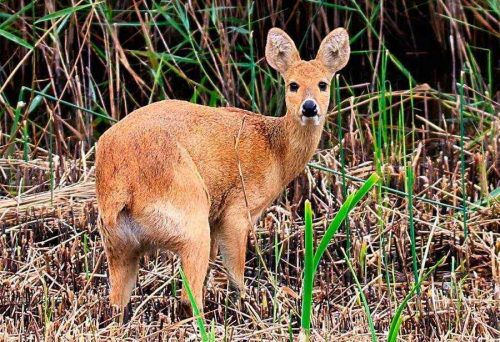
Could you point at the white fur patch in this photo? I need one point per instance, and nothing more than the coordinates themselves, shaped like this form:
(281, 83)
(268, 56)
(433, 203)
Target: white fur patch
(128, 230)
(164, 214)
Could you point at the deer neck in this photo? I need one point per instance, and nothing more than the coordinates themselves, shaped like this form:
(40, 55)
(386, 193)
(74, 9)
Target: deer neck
(297, 145)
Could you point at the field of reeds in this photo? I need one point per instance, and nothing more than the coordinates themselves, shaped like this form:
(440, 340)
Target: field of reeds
(418, 105)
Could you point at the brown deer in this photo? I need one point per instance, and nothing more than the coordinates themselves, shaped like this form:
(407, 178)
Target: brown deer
(190, 178)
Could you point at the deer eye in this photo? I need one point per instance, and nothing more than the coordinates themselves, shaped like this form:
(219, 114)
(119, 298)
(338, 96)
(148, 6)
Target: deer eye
(322, 86)
(294, 87)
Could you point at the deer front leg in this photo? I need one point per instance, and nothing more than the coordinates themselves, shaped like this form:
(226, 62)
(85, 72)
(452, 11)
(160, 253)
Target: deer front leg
(214, 249)
(232, 241)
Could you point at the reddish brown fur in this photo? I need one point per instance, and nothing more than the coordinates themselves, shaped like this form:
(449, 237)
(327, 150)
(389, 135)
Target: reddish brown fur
(168, 176)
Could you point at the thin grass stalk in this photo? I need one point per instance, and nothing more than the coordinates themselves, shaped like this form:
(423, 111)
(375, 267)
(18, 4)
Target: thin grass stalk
(250, 8)
(462, 154)
(383, 148)
(490, 78)
(397, 319)
(409, 183)
(86, 253)
(51, 161)
(371, 326)
(25, 141)
(14, 129)
(69, 104)
(342, 162)
(411, 222)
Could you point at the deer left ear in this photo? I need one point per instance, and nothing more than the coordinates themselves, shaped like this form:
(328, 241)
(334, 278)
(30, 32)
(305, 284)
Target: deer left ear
(334, 50)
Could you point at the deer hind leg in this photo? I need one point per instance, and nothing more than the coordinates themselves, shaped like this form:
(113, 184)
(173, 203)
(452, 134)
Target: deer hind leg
(123, 269)
(194, 253)
(179, 222)
(182, 228)
(123, 254)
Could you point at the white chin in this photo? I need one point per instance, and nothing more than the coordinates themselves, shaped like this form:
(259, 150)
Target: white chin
(304, 120)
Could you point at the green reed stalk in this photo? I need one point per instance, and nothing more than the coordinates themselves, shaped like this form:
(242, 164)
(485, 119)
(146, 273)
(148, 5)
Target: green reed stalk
(26, 138)
(250, 8)
(409, 184)
(462, 154)
(311, 258)
(342, 161)
(307, 287)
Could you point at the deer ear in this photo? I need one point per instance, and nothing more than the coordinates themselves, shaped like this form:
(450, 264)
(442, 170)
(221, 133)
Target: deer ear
(281, 52)
(334, 50)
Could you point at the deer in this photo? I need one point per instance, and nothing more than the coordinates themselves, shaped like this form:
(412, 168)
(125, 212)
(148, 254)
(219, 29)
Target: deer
(194, 179)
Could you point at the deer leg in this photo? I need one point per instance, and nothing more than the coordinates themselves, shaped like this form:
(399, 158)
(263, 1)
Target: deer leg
(123, 269)
(213, 247)
(194, 254)
(233, 244)
(123, 254)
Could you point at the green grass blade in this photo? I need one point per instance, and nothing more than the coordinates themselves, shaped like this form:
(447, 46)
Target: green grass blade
(13, 17)
(397, 319)
(363, 299)
(307, 285)
(15, 39)
(409, 185)
(462, 154)
(342, 160)
(26, 138)
(62, 13)
(196, 310)
(344, 210)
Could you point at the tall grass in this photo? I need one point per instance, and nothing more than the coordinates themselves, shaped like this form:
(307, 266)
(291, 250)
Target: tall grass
(312, 257)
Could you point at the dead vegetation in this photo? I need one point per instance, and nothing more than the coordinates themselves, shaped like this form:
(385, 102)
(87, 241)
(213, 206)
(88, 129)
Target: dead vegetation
(436, 146)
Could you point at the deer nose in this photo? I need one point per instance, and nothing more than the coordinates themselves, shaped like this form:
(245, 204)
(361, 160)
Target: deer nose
(309, 109)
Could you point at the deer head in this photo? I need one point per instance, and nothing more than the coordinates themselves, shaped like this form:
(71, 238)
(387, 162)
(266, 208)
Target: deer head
(307, 82)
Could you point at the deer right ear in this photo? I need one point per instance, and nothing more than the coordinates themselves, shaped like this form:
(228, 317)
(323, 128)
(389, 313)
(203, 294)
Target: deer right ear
(281, 52)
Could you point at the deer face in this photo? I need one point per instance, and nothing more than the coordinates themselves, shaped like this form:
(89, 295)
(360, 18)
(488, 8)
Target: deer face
(307, 82)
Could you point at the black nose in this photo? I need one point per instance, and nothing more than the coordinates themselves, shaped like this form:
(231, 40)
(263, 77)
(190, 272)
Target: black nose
(309, 109)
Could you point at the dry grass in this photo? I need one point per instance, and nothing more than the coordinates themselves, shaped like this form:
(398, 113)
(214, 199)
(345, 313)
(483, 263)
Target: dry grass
(54, 281)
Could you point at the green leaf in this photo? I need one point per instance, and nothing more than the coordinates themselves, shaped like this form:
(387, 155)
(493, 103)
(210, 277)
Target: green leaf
(37, 100)
(311, 259)
(62, 13)
(15, 39)
(10, 18)
(344, 210)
